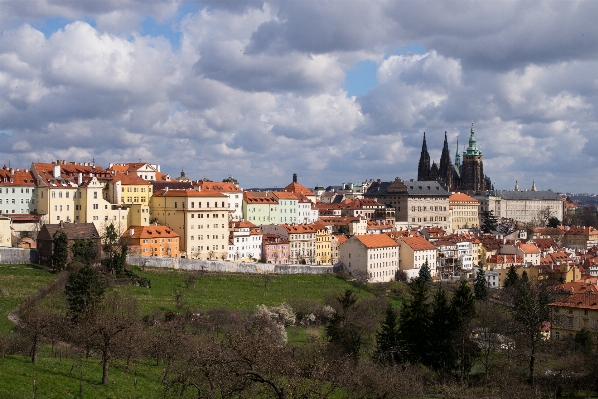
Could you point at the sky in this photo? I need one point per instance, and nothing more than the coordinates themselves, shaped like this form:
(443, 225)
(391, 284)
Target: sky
(335, 91)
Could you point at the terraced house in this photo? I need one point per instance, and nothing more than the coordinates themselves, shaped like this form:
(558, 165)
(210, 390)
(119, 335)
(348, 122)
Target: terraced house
(17, 191)
(301, 238)
(199, 217)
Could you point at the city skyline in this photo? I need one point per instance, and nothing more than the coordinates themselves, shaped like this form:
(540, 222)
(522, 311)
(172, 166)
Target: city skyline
(260, 90)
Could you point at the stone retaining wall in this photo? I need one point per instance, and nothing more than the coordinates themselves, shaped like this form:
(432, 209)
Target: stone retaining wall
(229, 267)
(21, 256)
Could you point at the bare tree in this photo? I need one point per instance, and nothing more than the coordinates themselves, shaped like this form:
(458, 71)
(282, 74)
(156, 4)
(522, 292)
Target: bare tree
(114, 320)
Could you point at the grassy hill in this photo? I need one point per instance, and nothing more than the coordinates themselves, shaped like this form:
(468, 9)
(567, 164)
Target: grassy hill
(231, 291)
(17, 282)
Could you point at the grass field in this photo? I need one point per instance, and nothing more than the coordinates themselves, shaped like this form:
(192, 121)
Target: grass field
(54, 379)
(17, 282)
(241, 292)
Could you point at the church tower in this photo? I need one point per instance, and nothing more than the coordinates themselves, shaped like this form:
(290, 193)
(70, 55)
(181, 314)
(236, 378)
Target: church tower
(472, 171)
(445, 171)
(423, 169)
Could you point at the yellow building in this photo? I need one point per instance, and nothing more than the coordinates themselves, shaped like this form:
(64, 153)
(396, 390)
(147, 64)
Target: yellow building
(463, 211)
(323, 244)
(200, 218)
(576, 308)
(91, 207)
(127, 189)
(55, 193)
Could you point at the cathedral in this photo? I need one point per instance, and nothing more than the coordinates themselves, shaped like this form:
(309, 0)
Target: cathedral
(467, 174)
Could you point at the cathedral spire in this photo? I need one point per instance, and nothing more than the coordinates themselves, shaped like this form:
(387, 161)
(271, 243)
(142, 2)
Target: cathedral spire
(457, 155)
(423, 169)
(445, 169)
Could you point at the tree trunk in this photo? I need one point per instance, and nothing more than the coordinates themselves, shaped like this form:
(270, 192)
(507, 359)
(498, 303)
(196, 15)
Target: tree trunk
(105, 366)
(34, 350)
(532, 361)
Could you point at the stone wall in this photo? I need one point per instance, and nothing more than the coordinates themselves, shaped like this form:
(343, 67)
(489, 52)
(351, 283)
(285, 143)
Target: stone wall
(20, 256)
(229, 267)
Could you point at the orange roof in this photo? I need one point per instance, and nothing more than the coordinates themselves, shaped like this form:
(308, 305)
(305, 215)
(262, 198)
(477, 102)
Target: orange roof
(299, 228)
(254, 199)
(529, 248)
(129, 179)
(376, 240)
(285, 195)
(502, 259)
(150, 232)
(187, 193)
(341, 239)
(219, 186)
(418, 243)
(297, 188)
(16, 177)
(242, 224)
(460, 197)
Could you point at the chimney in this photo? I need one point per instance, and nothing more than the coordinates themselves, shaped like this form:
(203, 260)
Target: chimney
(80, 179)
(132, 232)
(56, 172)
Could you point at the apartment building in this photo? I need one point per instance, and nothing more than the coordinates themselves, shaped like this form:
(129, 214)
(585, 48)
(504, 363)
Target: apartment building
(199, 217)
(374, 258)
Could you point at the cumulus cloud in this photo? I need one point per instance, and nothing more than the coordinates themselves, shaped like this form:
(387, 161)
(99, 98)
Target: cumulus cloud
(255, 88)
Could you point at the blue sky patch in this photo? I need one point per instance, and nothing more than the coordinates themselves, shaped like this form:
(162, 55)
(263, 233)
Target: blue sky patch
(361, 78)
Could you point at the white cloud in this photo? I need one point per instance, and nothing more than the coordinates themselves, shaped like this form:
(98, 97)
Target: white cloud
(255, 88)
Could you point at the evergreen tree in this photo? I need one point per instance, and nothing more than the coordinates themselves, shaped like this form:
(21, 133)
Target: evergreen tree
(85, 251)
(512, 278)
(109, 240)
(463, 303)
(60, 250)
(84, 290)
(553, 222)
(480, 286)
(414, 324)
(463, 310)
(387, 339)
(425, 274)
(441, 356)
(489, 222)
(120, 259)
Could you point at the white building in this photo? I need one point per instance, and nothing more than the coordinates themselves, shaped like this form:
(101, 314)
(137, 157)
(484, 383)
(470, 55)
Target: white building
(415, 252)
(245, 242)
(374, 258)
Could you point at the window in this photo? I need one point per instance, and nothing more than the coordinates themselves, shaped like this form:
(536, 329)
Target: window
(95, 195)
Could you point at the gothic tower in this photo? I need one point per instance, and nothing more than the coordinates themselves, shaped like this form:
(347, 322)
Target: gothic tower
(423, 169)
(472, 171)
(445, 171)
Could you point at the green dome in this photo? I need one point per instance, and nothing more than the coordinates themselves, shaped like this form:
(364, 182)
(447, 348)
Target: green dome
(473, 149)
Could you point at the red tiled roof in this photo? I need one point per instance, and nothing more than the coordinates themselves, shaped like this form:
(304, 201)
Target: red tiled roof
(297, 188)
(418, 243)
(187, 193)
(460, 197)
(219, 186)
(376, 240)
(150, 232)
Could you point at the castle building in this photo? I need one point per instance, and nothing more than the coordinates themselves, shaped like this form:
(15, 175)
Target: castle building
(466, 174)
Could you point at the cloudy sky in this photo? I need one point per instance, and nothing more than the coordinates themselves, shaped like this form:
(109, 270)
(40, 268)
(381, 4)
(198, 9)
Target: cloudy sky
(335, 91)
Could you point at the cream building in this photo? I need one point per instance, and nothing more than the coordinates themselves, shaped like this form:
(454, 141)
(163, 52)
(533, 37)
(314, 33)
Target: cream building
(416, 203)
(128, 189)
(199, 217)
(463, 211)
(5, 234)
(415, 251)
(91, 207)
(522, 206)
(302, 241)
(374, 258)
